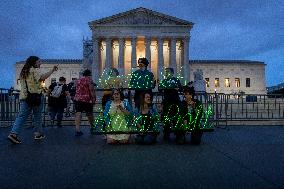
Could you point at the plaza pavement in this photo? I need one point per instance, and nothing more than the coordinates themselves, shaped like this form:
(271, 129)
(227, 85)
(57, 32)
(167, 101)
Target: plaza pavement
(243, 157)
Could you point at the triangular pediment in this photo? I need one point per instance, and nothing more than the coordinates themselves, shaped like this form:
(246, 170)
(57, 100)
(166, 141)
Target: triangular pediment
(140, 16)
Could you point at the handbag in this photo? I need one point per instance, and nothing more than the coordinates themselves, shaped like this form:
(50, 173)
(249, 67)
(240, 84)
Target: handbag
(33, 99)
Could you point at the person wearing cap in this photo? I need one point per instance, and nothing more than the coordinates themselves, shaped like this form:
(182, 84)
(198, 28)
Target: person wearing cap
(85, 98)
(57, 104)
(170, 86)
(142, 81)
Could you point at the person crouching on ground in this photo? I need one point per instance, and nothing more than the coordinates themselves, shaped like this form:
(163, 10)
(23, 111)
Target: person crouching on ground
(191, 113)
(30, 79)
(85, 98)
(117, 115)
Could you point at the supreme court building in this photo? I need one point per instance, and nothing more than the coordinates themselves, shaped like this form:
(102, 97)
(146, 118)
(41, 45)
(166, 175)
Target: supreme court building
(119, 40)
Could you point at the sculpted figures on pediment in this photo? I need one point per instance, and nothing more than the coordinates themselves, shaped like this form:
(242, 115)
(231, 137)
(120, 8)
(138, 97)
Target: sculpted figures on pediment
(141, 19)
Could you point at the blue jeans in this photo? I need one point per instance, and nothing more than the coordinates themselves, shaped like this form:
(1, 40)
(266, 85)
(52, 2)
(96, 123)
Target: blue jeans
(24, 113)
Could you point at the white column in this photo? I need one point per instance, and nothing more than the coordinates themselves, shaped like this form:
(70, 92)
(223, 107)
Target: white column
(133, 52)
(185, 65)
(180, 59)
(148, 50)
(173, 55)
(96, 64)
(121, 56)
(160, 57)
(108, 52)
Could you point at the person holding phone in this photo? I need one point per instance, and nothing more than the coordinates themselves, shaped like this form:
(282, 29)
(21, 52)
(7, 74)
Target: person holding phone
(30, 80)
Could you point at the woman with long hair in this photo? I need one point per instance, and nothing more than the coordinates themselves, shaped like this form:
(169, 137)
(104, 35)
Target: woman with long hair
(30, 80)
(117, 117)
(146, 117)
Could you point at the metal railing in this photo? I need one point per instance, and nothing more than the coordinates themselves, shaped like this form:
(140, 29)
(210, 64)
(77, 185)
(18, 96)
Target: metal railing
(225, 107)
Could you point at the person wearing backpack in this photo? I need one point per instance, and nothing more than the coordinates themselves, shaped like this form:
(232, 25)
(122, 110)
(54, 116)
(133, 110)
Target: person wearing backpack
(57, 101)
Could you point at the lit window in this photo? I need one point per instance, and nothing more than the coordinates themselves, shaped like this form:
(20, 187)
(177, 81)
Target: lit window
(238, 82)
(207, 82)
(217, 83)
(227, 82)
(247, 82)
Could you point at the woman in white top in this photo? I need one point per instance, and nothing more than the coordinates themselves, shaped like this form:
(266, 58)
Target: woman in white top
(30, 78)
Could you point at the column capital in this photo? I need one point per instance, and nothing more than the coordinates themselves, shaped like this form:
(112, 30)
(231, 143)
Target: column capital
(186, 38)
(133, 38)
(96, 38)
(173, 38)
(108, 39)
(148, 38)
(121, 39)
(160, 40)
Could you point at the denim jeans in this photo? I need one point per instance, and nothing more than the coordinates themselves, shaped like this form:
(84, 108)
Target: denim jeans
(24, 113)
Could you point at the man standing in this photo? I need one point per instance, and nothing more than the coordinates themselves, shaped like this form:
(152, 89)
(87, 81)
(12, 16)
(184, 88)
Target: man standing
(57, 101)
(171, 101)
(142, 81)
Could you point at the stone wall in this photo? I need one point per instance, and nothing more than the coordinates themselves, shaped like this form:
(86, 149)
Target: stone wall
(222, 70)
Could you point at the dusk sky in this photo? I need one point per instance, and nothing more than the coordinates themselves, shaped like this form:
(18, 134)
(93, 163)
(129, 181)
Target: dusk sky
(223, 29)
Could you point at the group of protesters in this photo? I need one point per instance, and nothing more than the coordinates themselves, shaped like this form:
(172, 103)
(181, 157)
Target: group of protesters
(119, 114)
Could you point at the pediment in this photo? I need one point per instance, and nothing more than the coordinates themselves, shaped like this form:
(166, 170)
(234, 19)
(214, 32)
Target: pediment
(140, 16)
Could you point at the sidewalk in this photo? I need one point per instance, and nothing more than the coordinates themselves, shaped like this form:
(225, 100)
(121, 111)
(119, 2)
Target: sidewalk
(244, 157)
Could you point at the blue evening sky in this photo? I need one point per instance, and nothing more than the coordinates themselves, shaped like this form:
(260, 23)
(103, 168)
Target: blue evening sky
(224, 29)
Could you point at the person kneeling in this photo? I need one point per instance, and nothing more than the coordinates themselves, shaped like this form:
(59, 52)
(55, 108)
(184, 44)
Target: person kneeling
(117, 113)
(146, 116)
(191, 113)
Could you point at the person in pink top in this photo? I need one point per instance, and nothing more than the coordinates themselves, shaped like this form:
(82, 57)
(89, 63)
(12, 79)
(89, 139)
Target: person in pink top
(85, 98)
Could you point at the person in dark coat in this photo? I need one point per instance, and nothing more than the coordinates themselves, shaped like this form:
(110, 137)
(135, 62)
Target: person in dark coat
(56, 105)
(170, 86)
(190, 120)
